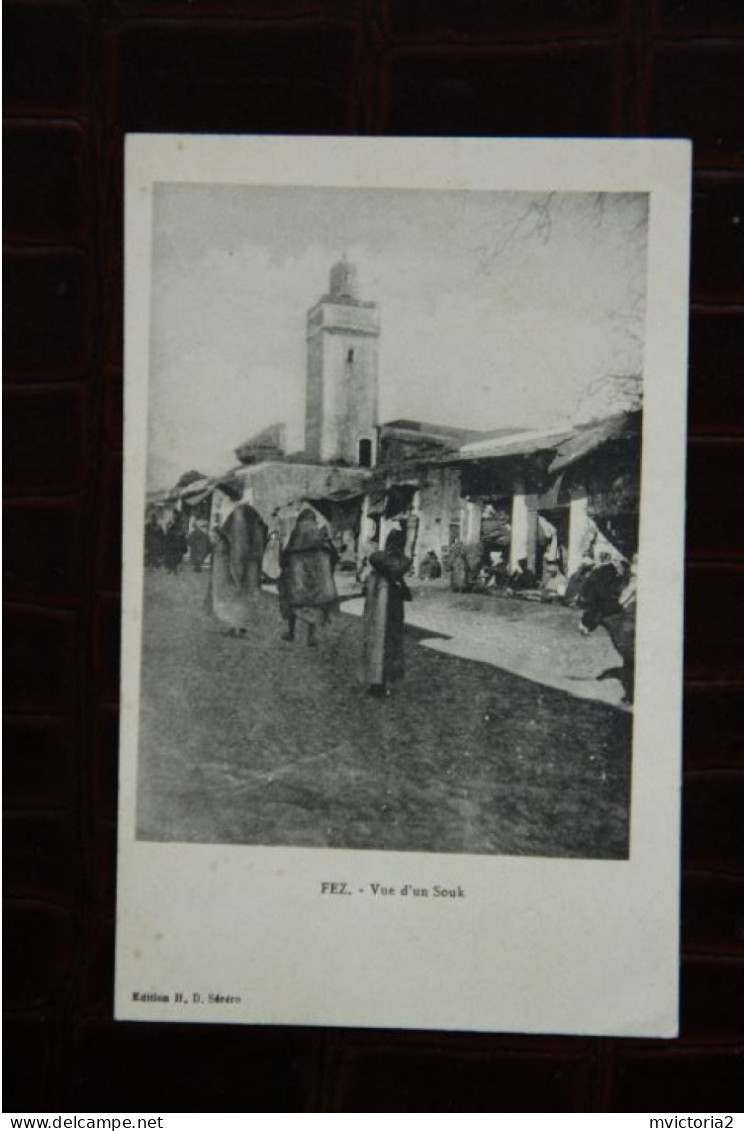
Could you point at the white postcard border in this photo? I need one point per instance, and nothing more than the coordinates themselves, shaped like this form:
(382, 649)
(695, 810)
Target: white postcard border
(536, 945)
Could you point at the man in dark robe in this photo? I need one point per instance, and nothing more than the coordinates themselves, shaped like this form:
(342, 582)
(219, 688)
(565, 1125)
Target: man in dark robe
(175, 547)
(271, 566)
(385, 592)
(601, 588)
(430, 569)
(154, 543)
(307, 589)
(200, 547)
(522, 578)
(616, 611)
(576, 581)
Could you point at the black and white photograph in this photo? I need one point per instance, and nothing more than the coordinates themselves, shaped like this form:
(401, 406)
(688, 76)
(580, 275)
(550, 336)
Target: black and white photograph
(391, 536)
(393, 526)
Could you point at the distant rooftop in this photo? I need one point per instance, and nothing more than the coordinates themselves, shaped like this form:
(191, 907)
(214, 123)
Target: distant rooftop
(567, 443)
(459, 436)
(267, 444)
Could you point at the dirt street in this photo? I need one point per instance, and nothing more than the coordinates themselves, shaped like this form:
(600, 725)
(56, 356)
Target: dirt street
(258, 741)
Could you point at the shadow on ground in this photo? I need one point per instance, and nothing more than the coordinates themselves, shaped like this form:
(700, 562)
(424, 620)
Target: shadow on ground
(256, 741)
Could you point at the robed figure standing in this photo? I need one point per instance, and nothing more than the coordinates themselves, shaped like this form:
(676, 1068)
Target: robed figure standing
(307, 589)
(235, 581)
(200, 547)
(385, 592)
(175, 546)
(154, 543)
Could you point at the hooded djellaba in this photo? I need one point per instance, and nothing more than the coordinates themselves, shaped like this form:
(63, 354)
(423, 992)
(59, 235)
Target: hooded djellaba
(235, 582)
(307, 589)
(385, 592)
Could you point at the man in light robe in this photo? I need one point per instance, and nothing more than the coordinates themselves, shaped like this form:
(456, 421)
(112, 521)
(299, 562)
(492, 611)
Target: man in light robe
(271, 566)
(246, 533)
(235, 581)
(553, 586)
(617, 613)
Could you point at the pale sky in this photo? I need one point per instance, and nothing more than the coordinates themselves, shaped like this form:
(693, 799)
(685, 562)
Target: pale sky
(497, 309)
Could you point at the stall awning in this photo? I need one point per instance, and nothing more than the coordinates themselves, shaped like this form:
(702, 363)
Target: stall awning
(553, 496)
(511, 447)
(230, 484)
(337, 502)
(194, 499)
(587, 440)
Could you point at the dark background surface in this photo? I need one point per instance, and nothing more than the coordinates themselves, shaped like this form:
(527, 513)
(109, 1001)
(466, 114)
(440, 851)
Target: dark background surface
(79, 73)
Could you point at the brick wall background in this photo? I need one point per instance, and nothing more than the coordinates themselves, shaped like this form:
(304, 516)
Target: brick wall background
(79, 73)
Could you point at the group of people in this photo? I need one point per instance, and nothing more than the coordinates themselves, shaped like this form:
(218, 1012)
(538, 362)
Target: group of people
(603, 587)
(245, 555)
(473, 564)
(167, 548)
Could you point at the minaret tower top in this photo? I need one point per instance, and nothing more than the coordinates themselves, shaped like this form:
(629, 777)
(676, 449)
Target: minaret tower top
(343, 282)
(342, 381)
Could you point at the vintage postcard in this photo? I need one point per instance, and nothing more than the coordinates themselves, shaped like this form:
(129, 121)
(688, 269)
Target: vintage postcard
(402, 611)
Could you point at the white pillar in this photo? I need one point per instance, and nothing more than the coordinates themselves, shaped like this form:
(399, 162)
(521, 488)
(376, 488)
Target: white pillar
(463, 520)
(386, 525)
(523, 530)
(363, 541)
(442, 524)
(473, 519)
(578, 525)
(416, 547)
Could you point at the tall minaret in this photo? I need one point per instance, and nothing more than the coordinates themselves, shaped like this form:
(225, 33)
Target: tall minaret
(342, 380)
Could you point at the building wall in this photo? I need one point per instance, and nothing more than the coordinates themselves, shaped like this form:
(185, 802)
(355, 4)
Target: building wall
(435, 503)
(222, 504)
(314, 393)
(438, 504)
(268, 486)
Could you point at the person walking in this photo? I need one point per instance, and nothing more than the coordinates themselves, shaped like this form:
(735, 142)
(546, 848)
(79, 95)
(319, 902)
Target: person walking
(307, 589)
(175, 547)
(617, 613)
(154, 543)
(200, 547)
(271, 567)
(235, 581)
(246, 533)
(385, 592)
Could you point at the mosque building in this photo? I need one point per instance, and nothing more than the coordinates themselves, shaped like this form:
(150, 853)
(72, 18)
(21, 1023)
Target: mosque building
(342, 390)
(365, 477)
